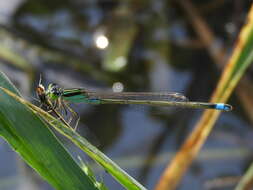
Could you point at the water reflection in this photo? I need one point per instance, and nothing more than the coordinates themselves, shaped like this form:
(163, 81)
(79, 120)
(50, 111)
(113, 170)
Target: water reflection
(101, 41)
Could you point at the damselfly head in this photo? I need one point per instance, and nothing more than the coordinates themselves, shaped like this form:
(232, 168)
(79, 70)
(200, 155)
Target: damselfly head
(40, 87)
(41, 93)
(40, 90)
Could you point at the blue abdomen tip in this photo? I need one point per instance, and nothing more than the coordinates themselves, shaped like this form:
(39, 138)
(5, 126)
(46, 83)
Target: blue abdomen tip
(223, 107)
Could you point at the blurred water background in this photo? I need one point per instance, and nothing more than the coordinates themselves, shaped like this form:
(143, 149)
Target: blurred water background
(131, 46)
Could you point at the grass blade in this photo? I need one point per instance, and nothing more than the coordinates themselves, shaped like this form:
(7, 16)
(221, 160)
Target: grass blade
(29, 136)
(119, 174)
(246, 181)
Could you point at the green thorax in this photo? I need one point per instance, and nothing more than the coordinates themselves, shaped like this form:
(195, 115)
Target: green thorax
(53, 91)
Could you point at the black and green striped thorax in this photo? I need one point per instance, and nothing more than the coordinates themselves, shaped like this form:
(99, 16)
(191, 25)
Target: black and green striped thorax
(54, 91)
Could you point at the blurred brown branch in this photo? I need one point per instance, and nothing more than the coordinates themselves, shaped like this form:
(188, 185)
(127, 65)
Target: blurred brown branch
(179, 165)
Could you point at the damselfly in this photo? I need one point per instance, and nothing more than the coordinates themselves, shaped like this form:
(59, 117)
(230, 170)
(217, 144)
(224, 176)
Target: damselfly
(57, 97)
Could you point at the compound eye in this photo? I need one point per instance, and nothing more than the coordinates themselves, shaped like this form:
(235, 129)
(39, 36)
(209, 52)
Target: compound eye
(40, 90)
(41, 87)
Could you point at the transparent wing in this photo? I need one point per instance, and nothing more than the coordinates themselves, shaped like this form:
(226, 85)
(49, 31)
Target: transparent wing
(149, 96)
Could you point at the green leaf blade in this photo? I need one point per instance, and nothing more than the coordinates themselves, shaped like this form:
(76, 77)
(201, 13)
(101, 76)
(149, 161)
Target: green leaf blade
(31, 138)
